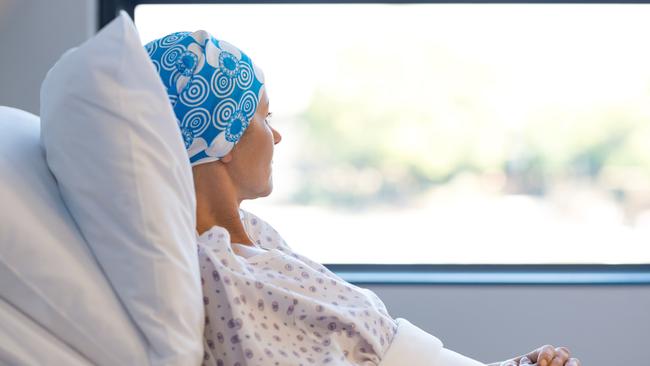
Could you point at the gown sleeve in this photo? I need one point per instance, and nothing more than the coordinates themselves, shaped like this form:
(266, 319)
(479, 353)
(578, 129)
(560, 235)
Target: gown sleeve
(415, 347)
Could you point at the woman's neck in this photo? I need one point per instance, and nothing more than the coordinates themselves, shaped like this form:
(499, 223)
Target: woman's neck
(221, 208)
(229, 221)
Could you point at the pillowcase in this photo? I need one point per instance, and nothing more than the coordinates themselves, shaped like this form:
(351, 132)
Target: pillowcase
(47, 271)
(112, 142)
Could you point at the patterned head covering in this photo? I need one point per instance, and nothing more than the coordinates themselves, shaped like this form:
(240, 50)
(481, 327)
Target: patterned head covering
(213, 87)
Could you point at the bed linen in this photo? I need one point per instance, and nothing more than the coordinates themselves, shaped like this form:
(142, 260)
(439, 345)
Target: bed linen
(46, 268)
(25, 342)
(112, 143)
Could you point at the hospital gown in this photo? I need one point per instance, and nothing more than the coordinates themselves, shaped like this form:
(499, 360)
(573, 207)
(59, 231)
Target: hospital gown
(268, 305)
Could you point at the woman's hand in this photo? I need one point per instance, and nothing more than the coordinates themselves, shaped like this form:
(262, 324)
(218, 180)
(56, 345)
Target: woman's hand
(546, 355)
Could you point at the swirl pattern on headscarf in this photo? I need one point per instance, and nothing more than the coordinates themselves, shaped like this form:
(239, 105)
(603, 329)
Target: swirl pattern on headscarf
(214, 89)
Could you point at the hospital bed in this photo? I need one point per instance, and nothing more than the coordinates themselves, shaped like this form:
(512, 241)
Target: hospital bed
(98, 263)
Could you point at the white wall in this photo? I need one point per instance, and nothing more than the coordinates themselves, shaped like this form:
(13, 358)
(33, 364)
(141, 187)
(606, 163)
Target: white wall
(33, 34)
(602, 325)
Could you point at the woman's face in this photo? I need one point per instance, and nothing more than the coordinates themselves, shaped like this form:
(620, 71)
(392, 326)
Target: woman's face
(251, 158)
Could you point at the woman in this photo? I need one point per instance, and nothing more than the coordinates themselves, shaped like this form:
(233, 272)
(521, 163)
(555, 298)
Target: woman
(266, 304)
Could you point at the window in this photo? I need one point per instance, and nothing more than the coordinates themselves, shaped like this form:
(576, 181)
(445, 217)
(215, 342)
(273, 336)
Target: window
(449, 133)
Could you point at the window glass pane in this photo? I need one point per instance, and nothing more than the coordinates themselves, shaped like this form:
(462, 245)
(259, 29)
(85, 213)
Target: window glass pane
(449, 133)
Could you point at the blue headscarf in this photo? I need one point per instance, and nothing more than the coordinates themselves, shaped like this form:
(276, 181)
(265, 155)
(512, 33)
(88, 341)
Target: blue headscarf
(214, 89)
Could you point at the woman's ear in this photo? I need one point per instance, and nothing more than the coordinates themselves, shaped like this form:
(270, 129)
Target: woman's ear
(226, 158)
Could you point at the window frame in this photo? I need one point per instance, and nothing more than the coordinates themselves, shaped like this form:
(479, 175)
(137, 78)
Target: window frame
(442, 274)
(494, 274)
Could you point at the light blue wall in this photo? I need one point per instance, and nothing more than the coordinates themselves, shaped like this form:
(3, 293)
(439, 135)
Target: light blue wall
(33, 34)
(602, 325)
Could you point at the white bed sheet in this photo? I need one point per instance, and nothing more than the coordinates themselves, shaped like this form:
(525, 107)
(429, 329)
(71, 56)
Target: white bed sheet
(47, 272)
(25, 342)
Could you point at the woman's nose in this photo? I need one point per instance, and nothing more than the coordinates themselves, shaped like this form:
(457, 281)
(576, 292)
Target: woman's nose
(276, 136)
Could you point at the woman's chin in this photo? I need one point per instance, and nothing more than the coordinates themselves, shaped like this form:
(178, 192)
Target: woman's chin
(269, 188)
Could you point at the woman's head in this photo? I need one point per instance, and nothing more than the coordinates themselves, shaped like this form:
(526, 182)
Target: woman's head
(248, 164)
(221, 106)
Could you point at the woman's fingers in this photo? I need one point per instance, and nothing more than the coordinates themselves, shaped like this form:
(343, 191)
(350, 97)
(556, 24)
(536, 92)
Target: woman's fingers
(525, 361)
(573, 362)
(561, 356)
(562, 350)
(546, 355)
(543, 355)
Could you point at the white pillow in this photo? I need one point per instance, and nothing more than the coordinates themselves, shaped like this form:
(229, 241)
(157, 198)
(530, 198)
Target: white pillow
(46, 268)
(112, 142)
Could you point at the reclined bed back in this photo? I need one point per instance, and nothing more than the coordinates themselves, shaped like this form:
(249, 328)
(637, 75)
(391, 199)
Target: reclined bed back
(47, 272)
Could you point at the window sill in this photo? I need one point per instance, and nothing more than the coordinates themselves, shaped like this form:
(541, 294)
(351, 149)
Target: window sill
(472, 274)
